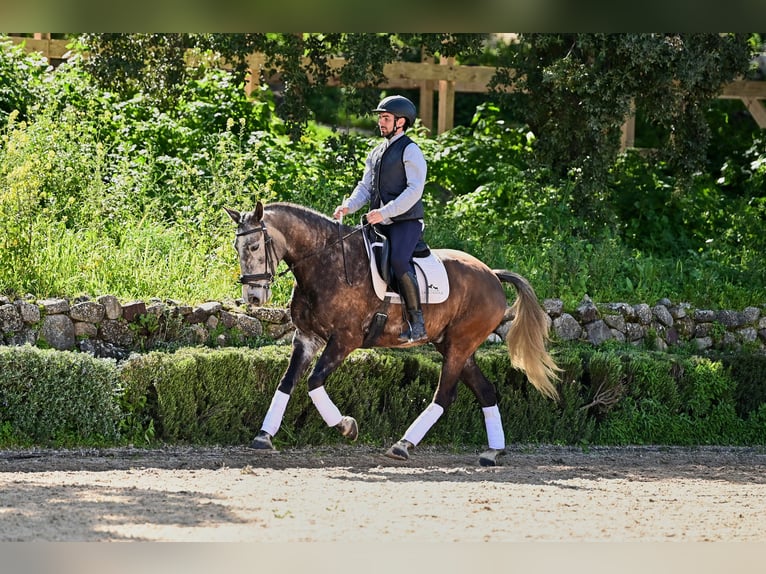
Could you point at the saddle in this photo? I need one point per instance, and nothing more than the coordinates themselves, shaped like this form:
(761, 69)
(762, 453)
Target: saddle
(429, 269)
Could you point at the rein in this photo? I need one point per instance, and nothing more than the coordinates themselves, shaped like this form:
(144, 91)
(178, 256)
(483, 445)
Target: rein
(325, 248)
(252, 278)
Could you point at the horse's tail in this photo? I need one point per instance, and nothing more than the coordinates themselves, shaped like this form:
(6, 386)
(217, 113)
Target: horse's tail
(528, 336)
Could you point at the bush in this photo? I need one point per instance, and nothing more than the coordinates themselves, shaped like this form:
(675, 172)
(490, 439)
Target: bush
(55, 398)
(199, 395)
(610, 396)
(22, 76)
(676, 401)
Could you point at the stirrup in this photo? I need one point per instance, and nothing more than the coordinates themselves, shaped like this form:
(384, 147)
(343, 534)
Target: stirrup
(407, 337)
(416, 333)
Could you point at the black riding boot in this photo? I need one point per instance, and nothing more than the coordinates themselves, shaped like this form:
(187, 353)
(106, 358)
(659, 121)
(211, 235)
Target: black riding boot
(408, 289)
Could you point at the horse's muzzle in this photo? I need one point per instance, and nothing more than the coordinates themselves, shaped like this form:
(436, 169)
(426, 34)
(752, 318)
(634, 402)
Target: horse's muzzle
(256, 294)
(256, 288)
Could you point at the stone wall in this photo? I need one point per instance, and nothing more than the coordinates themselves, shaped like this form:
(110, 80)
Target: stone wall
(660, 326)
(108, 328)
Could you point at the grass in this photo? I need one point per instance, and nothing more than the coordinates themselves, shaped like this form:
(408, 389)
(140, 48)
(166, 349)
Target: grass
(148, 259)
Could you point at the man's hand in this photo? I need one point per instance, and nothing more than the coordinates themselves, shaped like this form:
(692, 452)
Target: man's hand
(374, 216)
(340, 211)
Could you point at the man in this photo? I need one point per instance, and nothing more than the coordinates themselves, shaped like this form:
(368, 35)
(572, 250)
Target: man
(392, 183)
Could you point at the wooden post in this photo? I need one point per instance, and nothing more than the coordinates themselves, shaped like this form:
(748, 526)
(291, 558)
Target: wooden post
(628, 138)
(253, 78)
(446, 100)
(426, 107)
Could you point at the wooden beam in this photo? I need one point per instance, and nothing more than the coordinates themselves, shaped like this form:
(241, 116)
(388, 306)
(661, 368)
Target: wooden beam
(253, 78)
(469, 78)
(757, 111)
(744, 89)
(51, 49)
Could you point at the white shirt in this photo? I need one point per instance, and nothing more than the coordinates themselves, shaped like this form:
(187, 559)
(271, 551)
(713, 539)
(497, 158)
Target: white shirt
(415, 170)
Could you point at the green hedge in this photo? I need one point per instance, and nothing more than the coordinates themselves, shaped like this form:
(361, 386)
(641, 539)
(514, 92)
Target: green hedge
(609, 396)
(50, 397)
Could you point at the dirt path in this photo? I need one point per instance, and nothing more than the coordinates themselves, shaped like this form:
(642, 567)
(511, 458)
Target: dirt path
(353, 493)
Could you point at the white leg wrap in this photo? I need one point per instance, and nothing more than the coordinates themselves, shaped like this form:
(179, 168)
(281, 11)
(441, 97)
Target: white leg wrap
(273, 419)
(423, 423)
(494, 424)
(325, 406)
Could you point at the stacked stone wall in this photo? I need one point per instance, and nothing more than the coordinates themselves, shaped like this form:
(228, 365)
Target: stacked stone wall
(104, 326)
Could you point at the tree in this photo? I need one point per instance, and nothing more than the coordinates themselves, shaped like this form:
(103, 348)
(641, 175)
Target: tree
(577, 90)
(156, 63)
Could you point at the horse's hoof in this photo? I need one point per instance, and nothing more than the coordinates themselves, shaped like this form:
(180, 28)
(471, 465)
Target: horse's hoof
(400, 450)
(489, 457)
(262, 441)
(348, 428)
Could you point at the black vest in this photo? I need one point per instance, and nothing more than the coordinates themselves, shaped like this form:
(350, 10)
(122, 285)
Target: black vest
(389, 179)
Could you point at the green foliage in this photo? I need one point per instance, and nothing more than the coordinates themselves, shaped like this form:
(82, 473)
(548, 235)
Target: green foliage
(156, 64)
(678, 401)
(220, 396)
(22, 79)
(748, 370)
(580, 87)
(202, 395)
(112, 191)
(56, 398)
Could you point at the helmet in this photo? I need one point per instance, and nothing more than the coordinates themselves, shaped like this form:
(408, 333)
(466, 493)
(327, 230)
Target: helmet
(399, 106)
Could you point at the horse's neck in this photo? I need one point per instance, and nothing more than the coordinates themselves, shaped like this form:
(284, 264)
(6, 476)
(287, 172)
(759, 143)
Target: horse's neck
(304, 234)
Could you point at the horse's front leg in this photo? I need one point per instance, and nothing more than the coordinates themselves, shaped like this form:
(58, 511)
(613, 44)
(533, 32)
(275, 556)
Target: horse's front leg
(305, 348)
(332, 356)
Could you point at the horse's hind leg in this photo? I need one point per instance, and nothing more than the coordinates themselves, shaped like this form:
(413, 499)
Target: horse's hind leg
(445, 395)
(485, 393)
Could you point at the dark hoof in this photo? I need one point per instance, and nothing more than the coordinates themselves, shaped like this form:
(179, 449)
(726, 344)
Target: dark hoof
(400, 450)
(262, 442)
(489, 457)
(348, 428)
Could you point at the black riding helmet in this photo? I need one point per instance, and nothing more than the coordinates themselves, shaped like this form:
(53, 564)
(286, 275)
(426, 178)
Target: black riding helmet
(400, 107)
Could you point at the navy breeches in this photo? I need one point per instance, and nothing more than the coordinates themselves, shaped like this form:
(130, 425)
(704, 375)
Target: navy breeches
(403, 237)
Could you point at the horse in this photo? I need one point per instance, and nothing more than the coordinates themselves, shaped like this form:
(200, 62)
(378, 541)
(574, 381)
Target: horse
(333, 307)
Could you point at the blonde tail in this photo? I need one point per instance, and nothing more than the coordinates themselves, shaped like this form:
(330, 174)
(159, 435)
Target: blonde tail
(528, 337)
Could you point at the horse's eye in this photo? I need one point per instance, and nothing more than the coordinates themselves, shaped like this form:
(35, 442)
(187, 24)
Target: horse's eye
(253, 246)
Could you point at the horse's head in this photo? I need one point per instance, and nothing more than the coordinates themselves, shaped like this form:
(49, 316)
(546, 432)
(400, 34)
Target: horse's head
(257, 258)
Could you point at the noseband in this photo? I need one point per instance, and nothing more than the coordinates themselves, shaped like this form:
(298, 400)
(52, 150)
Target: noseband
(253, 278)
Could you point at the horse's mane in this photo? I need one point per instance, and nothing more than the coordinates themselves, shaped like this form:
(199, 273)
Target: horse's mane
(292, 207)
(315, 219)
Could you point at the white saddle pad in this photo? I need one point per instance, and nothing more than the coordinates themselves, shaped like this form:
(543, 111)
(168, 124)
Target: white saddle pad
(432, 278)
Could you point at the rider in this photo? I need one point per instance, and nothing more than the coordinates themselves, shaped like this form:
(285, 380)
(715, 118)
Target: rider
(393, 181)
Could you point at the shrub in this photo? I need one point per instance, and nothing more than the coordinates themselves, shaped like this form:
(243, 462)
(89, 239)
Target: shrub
(219, 396)
(57, 398)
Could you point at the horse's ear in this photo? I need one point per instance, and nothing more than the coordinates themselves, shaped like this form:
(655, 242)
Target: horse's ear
(258, 211)
(235, 215)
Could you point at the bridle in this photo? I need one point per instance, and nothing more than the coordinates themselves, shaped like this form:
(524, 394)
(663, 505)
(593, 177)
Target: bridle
(252, 279)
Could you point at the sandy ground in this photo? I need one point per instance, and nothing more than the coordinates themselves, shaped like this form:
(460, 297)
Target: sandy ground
(353, 493)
